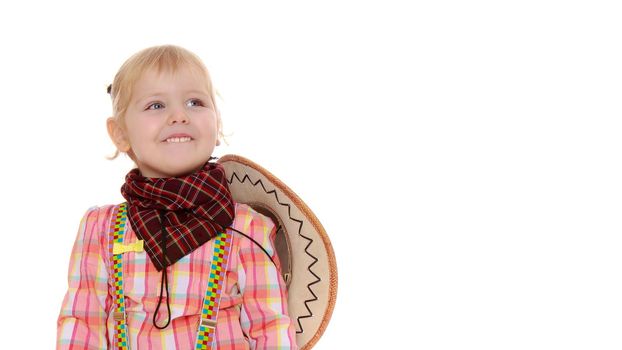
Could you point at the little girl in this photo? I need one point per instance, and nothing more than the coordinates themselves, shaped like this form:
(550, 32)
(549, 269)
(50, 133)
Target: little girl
(171, 268)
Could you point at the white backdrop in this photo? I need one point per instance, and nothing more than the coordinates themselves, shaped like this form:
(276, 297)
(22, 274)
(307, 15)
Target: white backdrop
(465, 157)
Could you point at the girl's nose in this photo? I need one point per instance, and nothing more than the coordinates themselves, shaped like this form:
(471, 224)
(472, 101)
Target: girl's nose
(178, 116)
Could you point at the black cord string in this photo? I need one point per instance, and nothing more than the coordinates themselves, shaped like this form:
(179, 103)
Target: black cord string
(254, 241)
(164, 280)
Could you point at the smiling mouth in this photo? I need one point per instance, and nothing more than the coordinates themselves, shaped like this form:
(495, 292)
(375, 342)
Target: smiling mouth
(178, 140)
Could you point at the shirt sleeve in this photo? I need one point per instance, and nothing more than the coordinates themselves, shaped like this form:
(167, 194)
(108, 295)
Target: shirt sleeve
(264, 316)
(82, 320)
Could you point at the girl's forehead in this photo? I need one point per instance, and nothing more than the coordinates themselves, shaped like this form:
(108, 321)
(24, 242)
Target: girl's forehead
(179, 75)
(153, 81)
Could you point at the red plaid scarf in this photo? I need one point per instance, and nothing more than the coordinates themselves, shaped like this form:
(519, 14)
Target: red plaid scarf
(195, 208)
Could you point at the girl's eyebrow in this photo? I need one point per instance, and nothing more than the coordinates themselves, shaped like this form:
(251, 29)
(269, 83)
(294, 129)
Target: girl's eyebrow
(156, 94)
(149, 96)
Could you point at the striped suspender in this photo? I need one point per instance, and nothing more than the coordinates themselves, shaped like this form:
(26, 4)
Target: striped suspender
(120, 326)
(209, 312)
(211, 301)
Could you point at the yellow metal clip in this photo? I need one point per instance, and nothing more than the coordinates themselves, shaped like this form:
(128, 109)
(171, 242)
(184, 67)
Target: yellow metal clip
(208, 323)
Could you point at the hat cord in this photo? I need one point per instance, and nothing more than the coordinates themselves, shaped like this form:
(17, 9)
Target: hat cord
(254, 241)
(164, 280)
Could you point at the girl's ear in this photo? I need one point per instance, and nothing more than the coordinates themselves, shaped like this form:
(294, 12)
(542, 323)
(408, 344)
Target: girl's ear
(117, 135)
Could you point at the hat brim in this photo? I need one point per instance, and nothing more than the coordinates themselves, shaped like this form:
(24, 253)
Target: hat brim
(304, 247)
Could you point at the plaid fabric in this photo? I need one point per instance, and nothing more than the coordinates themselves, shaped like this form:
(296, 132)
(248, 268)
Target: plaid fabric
(253, 309)
(196, 207)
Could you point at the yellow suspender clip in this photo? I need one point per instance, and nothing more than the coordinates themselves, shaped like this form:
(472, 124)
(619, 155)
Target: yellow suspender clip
(120, 248)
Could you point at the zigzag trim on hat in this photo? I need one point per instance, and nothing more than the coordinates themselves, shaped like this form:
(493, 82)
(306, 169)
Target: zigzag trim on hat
(315, 259)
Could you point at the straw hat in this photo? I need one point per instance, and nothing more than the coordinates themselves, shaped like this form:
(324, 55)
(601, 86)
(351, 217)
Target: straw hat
(304, 249)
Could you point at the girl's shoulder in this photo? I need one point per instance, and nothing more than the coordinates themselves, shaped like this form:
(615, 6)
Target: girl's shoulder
(254, 224)
(103, 213)
(98, 219)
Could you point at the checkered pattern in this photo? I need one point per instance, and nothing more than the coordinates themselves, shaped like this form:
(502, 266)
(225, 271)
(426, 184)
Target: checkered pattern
(209, 313)
(196, 206)
(253, 305)
(120, 329)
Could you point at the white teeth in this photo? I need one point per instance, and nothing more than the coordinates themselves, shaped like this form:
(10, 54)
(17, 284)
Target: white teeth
(178, 139)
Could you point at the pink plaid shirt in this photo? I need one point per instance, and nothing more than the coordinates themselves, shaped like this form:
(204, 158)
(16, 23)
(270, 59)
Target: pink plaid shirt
(253, 308)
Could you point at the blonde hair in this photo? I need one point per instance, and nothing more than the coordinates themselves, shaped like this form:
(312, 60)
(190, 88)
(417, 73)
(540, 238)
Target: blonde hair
(163, 59)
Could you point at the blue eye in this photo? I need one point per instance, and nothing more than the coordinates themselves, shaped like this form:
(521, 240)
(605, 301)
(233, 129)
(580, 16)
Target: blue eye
(155, 105)
(195, 102)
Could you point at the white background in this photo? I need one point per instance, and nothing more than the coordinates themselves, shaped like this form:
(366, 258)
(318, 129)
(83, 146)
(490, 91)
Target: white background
(464, 156)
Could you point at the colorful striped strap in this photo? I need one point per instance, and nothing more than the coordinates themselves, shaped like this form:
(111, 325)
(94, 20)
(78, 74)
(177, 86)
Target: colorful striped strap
(116, 236)
(211, 301)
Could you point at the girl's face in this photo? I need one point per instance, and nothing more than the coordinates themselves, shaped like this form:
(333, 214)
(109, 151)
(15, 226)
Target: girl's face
(171, 125)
